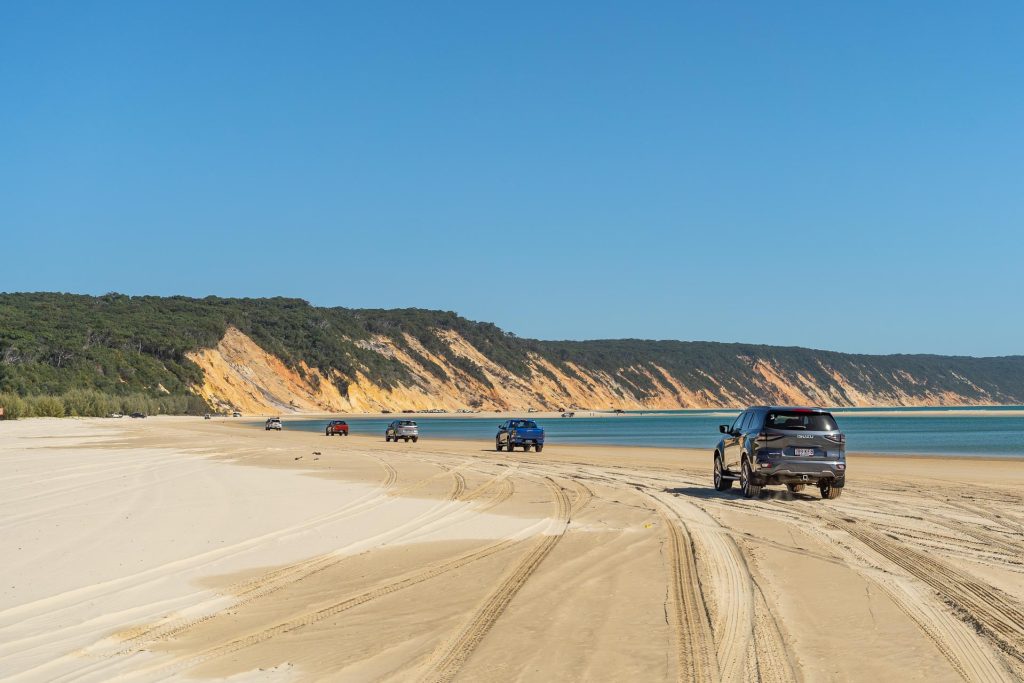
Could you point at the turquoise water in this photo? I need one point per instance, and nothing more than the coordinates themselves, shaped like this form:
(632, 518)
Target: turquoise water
(872, 430)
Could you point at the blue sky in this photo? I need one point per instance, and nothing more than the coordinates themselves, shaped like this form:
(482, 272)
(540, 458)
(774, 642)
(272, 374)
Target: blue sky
(847, 176)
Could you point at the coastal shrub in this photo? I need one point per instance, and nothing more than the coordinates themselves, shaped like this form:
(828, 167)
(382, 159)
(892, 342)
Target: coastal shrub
(45, 406)
(13, 405)
(88, 403)
(91, 403)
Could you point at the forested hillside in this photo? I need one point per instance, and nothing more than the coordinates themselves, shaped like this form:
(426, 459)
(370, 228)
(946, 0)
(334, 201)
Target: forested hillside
(267, 355)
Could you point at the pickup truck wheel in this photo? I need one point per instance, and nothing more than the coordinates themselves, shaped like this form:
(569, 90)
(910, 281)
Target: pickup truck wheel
(327, 433)
(540, 447)
(387, 438)
(721, 483)
(829, 492)
(497, 445)
(750, 490)
(415, 439)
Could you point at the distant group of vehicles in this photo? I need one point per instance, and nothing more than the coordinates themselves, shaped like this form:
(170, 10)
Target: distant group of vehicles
(525, 434)
(764, 446)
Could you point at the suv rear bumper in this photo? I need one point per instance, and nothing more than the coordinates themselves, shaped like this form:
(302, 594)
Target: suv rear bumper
(799, 473)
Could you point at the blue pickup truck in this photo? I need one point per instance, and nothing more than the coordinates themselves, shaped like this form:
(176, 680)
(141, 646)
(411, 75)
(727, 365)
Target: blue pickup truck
(525, 433)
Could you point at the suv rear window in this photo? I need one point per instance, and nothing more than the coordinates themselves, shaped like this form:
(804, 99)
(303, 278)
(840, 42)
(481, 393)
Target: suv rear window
(406, 423)
(795, 419)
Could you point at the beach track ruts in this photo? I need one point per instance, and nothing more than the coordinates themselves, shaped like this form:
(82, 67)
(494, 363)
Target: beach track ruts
(445, 663)
(583, 495)
(248, 591)
(772, 657)
(459, 489)
(997, 614)
(315, 616)
(696, 659)
(987, 610)
(360, 505)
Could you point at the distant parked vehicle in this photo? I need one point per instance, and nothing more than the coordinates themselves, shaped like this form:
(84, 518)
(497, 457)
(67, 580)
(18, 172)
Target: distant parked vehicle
(236, 414)
(569, 414)
(207, 417)
(524, 433)
(402, 429)
(768, 445)
(138, 415)
(115, 415)
(273, 423)
(337, 427)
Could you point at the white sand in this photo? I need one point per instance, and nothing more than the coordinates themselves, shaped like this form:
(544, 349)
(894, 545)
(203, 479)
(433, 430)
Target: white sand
(96, 535)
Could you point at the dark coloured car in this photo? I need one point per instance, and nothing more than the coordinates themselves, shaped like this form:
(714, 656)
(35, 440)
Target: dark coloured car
(524, 433)
(337, 427)
(769, 445)
(138, 415)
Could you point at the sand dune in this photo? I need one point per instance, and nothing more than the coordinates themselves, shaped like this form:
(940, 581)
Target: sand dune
(176, 548)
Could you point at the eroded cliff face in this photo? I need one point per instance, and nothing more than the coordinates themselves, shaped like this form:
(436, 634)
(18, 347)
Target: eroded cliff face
(239, 374)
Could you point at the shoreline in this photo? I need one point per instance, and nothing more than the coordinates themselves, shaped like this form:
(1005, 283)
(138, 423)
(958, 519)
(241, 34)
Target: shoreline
(246, 423)
(973, 457)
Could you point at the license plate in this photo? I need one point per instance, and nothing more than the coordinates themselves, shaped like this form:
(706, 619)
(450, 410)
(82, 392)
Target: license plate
(803, 451)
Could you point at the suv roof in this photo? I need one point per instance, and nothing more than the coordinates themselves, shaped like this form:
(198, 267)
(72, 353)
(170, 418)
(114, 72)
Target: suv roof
(808, 409)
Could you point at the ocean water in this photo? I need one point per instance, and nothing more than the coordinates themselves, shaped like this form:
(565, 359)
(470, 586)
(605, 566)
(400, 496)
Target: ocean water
(982, 432)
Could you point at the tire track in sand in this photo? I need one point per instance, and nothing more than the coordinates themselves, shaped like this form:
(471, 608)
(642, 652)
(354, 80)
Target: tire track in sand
(404, 581)
(967, 610)
(75, 597)
(696, 659)
(315, 616)
(730, 584)
(250, 590)
(995, 615)
(445, 663)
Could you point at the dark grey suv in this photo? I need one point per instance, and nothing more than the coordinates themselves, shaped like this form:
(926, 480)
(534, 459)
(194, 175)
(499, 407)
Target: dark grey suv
(781, 445)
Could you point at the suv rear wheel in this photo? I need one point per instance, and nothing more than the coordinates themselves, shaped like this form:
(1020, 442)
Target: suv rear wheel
(750, 490)
(829, 492)
(721, 483)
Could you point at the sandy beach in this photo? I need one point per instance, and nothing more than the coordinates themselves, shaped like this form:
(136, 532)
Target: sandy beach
(178, 548)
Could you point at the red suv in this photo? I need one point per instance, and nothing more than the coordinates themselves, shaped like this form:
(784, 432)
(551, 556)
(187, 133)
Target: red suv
(337, 427)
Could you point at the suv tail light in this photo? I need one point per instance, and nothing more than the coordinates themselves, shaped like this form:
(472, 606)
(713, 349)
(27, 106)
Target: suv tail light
(836, 438)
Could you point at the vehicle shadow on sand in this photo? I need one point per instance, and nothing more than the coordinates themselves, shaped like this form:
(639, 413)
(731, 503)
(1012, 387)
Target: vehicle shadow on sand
(709, 493)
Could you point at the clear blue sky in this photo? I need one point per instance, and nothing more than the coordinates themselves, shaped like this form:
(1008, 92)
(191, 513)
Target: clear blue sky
(565, 170)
